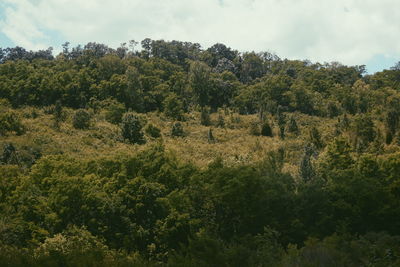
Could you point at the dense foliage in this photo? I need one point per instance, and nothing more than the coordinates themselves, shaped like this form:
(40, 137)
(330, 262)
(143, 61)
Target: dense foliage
(325, 192)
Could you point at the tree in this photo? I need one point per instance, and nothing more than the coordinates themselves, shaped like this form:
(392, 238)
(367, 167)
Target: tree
(173, 107)
(58, 114)
(306, 170)
(281, 122)
(220, 120)
(266, 129)
(131, 127)
(210, 136)
(364, 129)
(315, 138)
(199, 80)
(292, 127)
(205, 116)
(114, 111)
(152, 131)
(134, 91)
(10, 122)
(81, 119)
(392, 121)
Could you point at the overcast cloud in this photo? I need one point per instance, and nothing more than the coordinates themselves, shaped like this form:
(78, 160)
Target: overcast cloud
(349, 31)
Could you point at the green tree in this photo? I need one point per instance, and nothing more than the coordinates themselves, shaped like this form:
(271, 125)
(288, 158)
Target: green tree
(292, 127)
(152, 131)
(131, 127)
(173, 107)
(266, 129)
(364, 129)
(113, 110)
(58, 114)
(199, 80)
(306, 170)
(281, 118)
(81, 119)
(315, 138)
(205, 116)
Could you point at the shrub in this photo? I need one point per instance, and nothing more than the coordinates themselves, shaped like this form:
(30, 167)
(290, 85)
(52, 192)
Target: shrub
(113, 111)
(10, 122)
(205, 116)
(131, 127)
(152, 131)
(266, 129)
(315, 138)
(292, 127)
(177, 129)
(81, 119)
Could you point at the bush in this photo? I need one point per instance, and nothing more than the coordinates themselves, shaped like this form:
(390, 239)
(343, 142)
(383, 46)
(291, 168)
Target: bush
(292, 127)
(315, 138)
(81, 119)
(152, 131)
(266, 129)
(177, 129)
(10, 122)
(113, 111)
(131, 127)
(205, 116)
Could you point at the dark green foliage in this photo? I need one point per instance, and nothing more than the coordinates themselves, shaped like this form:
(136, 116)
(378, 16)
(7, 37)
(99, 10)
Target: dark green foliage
(392, 121)
(9, 155)
(205, 116)
(292, 126)
(364, 129)
(177, 130)
(131, 127)
(10, 122)
(58, 114)
(152, 131)
(220, 121)
(389, 137)
(281, 119)
(306, 170)
(81, 119)
(333, 110)
(315, 138)
(153, 208)
(113, 111)
(173, 107)
(210, 136)
(266, 129)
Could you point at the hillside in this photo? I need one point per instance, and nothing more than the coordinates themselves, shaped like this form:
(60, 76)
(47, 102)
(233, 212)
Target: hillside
(181, 156)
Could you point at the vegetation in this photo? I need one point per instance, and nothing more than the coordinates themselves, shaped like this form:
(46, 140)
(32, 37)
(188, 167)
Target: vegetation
(175, 155)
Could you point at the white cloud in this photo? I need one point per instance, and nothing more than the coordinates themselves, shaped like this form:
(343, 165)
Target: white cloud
(349, 31)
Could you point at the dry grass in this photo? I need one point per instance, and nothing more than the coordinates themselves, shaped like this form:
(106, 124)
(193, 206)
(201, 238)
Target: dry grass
(233, 143)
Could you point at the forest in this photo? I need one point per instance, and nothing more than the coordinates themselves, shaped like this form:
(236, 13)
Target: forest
(164, 153)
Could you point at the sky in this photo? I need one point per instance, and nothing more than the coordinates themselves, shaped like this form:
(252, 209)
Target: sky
(353, 32)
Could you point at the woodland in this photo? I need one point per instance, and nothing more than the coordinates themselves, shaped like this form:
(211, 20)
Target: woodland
(164, 153)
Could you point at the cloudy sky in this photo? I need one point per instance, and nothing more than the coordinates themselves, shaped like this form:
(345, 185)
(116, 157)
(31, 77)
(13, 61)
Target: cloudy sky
(353, 32)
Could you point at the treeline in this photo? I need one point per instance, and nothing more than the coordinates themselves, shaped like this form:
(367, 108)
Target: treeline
(215, 77)
(152, 208)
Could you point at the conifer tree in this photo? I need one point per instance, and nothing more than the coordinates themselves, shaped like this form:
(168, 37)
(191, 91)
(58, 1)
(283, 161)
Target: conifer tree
(306, 169)
(292, 127)
(266, 129)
